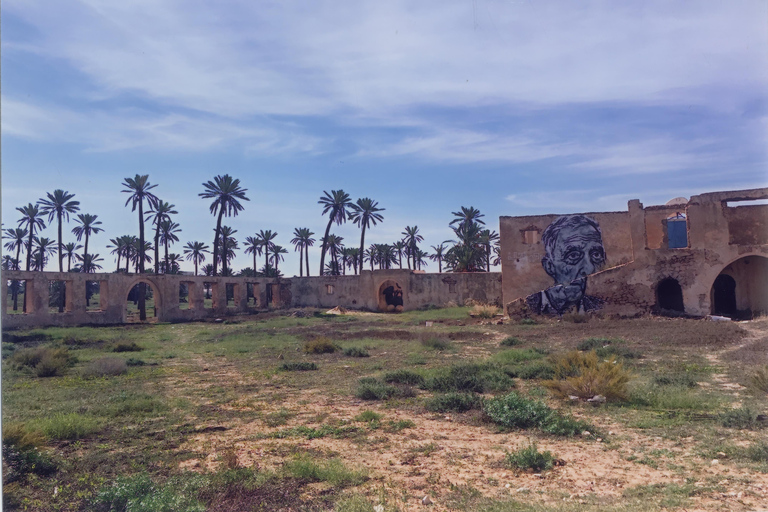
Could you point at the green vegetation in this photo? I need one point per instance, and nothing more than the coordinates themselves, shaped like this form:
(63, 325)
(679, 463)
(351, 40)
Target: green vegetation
(303, 366)
(320, 345)
(516, 411)
(510, 341)
(530, 458)
(585, 376)
(454, 402)
(356, 352)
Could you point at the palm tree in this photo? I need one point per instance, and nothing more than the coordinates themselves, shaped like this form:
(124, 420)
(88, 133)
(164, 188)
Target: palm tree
(277, 255)
(195, 251)
(89, 263)
(226, 194)
(364, 213)
(467, 216)
(253, 246)
(140, 256)
(88, 226)
(488, 238)
(303, 241)
(172, 263)
(32, 222)
(168, 230)
(16, 237)
(59, 205)
(421, 258)
(132, 245)
(438, 255)
(334, 246)
(467, 254)
(335, 203)
(70, 249)
(399, 247)
(44, 247)
(412, 238)
(161, 211)
(265, 241)
(228, 246)
(371, 255)
(139, 188)
(350, 257)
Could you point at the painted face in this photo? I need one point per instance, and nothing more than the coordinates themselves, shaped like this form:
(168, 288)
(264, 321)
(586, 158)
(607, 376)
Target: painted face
(578, 252)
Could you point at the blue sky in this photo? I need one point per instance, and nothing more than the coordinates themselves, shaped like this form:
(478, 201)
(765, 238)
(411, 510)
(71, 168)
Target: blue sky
(513, 107)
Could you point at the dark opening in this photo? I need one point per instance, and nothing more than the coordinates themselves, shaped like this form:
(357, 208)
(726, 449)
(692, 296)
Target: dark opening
(669, 295)
(92, 296)
(57, 296)
(252, 294)
(16, 296)
(724, 296)
(390, 296)
(133, 305)
(184, 296)
(231, 291)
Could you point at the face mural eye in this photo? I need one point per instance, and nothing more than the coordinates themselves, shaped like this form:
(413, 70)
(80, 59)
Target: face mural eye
(572, 257)
(597, 255)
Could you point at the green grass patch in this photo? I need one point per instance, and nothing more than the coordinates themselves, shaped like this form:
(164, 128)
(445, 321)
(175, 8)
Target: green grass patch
(370, 388)
(298, 366)
(403, 376)
(511, 341)
(321, 345)
(516, 411)
(454, 402)
(356, 352)
(332, 471)
(67, 426)
(436, 343)
(468, 377)
(337, 432)
(530, 458)
(368, 416)
(138, 493)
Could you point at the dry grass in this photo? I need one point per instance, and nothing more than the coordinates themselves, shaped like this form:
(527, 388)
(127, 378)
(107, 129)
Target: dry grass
(484, 311)
(585, 376)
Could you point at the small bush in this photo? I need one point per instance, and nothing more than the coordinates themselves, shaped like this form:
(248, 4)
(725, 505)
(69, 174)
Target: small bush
(681, 379)
(530, 458)
(368, 416)
(321, 345)
(43, 361)
(454, 402)
(132, 361)
(759, 380)
(8, 350)
(138, 493)
(105, 367)
(298, 367)
(19, 436)
(617, 351)
(516, 411)
(19, 462)
(534, 370)
(484, 311)
(369, 388)
(584, 376)
(527, 321)
(469, 377)
(124, 346)
(71, 426)
(757, 452)
(403, 376)
(332, 471)
(517, 355)
(742, 418)
(397, 426)
(437, 344)
(510, 341)
(356, 352)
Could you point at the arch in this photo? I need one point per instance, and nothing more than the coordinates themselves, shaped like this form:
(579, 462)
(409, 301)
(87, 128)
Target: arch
(390, 296)
(740, 290)
(158, 299)
(669, 295)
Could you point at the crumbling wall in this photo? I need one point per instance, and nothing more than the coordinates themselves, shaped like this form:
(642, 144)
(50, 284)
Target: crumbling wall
(747, 225)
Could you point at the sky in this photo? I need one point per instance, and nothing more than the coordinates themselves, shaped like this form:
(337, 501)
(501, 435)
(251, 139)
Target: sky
(512, 107)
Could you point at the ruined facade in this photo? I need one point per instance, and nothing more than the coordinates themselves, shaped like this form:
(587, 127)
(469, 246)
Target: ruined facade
(708, 255)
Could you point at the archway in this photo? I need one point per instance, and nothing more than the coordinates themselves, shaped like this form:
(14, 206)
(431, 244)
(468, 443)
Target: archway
(669, 295)
(741, 288)
(390, 296)
(132, 304)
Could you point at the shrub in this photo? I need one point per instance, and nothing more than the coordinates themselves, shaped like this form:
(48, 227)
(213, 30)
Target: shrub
(584, 376)
(69, 426)
(132, 361)
(517, 355)
(437, 343)
(742, 418)
(469, 377)
(321, 345)
(681, 379)
(530, 458)
(138, 493)
(534, 370)
(370, 388)
(43, 361)
(105, 367)
(356, 352)
(456, 402)
(298, 367)
(403, 376)
(8, 350)
(757, 452)
(368, 416)
(510, 341)
(332, 471)
(516, 411)
(759, 380)
(124, 346)
(527, 321)
(484, 310)
(19, 462)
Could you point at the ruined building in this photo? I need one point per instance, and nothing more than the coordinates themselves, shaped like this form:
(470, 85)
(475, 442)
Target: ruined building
(707, 255)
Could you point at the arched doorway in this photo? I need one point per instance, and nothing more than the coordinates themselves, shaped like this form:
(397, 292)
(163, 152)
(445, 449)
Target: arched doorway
(741, 288)
(390, 296)
(133, 302)
(669, 295)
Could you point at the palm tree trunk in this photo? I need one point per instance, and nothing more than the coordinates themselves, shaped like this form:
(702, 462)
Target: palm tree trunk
(254, 261)
(195, 260)
(223, 256)
(167, 271)
(16, 288)
(118, 263)
(306, 255)
(29, 250)
(216, 239)
(61, 256)
(301, 260)
(362, 244)
(140, 265)
(157, 246)
(85, 250)
(323, 246)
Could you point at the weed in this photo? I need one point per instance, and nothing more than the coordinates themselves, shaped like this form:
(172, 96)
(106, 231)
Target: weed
(356, 352)
(680, 379)
(397, 426)
(70, 426)
(125, 346)
(456, 402)
(339, 432)
(368, 416)
(105, 367)
(138, 493)
(757, 452)
(741, 418)
(278, 418)
(510, 341)
(43, 361)
(332, 471)
(437, 344)
(370, 388)
(515, 411)
(321, 345)
(484, 311)
(403, 376)
(19, 436)
(584, 376)
(759, 380)
(355, 503)
(532, 370)
(298, 366)
(670, 397)
(19, 462)
(530, 458)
